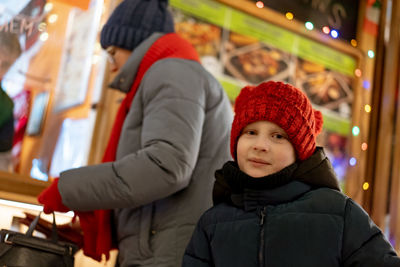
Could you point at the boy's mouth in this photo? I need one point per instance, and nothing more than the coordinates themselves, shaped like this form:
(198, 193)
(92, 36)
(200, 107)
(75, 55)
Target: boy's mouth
(259, 161)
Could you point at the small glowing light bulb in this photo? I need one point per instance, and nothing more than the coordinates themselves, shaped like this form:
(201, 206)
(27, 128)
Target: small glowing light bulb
(364, 146)
(365, 186)
(289, 15)
(356, 130)
(259, 4)
(309, 25)
(352, 161)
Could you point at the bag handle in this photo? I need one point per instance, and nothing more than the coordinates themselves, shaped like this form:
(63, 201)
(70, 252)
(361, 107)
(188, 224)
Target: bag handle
(32, 226)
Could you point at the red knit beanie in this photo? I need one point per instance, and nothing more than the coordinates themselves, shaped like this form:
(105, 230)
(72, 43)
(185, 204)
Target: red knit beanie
(284, 105)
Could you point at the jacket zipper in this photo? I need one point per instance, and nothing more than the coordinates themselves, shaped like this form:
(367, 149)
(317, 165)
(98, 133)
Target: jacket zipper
(262, 242)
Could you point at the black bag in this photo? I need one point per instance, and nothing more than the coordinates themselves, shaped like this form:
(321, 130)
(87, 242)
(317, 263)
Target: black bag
(17, 249)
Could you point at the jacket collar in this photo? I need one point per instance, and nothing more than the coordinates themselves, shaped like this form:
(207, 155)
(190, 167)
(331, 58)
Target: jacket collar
(249, 193)
(317, 171)
(250, 199)
(124, 79)
(239, 181)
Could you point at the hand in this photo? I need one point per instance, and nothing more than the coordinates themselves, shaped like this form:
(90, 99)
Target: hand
(51, 199)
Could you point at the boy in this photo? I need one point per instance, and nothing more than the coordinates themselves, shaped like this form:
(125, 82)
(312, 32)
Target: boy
(279, 203)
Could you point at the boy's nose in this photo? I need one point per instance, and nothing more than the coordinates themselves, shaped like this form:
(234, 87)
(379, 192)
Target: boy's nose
(261, 144)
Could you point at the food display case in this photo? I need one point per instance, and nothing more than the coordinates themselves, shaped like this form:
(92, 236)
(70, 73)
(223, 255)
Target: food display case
(239, 49)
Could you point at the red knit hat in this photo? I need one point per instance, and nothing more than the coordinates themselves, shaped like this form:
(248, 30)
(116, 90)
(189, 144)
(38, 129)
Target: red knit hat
(284, 105)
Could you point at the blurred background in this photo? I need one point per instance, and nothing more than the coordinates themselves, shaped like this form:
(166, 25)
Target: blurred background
(343, 54)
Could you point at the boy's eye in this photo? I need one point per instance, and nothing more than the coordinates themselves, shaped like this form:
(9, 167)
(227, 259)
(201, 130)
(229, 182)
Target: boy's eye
(250, 132)
(278, 136)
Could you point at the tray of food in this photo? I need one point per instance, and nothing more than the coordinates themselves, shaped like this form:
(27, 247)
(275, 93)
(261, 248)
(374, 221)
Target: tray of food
(256, 63)
(206, 38)
(328, 89)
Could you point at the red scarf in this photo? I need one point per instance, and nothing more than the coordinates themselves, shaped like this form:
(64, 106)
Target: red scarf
(96, 225)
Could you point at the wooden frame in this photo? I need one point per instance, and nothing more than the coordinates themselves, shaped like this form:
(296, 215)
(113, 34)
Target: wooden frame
(297, 27)
(360, 176)
(393, 80)
(381, 128)
(20, 188)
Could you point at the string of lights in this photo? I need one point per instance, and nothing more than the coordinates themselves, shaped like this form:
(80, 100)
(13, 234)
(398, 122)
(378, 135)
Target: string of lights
(366, 84)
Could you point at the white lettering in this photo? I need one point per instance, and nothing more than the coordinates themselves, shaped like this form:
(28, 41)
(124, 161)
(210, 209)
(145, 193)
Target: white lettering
(18, 25)
(25, 26)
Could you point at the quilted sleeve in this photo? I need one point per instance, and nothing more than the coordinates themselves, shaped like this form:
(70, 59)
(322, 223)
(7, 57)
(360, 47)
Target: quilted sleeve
(363, 242)
(198, 252)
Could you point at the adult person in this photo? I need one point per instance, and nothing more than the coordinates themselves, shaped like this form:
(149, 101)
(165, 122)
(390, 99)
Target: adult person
(10, 50)
(170, 134)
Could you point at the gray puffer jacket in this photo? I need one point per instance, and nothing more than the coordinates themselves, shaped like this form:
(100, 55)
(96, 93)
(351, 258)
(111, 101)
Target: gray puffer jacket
(173, 139)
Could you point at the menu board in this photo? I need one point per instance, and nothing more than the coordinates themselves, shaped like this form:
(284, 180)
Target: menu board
(240, 49)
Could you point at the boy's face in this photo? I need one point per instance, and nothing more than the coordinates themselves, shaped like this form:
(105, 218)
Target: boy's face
(263, 149)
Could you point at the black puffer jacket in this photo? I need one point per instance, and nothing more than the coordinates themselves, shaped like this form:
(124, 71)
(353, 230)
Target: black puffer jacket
(297, 217)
